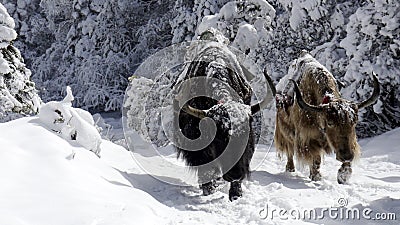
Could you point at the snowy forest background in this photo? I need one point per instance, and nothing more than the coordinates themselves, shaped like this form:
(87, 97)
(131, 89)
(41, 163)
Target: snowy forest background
(95, 45)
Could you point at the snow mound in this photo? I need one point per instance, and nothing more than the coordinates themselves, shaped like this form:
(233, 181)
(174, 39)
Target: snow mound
(71, 123)
(46, 180)
(43, 184)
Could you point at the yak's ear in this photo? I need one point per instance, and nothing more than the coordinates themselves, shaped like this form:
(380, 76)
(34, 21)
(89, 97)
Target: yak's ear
(326, 99)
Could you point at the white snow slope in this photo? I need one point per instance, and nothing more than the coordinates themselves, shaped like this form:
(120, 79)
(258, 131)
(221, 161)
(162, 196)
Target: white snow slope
(46, 180)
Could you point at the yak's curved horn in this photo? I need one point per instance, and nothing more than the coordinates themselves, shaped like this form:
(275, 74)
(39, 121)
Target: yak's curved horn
(304, 105)
(194, 112)
(258, 106)
(270, 82)
(374, 95)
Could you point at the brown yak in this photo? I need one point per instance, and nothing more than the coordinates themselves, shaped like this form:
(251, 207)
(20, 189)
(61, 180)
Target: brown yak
(319, 122)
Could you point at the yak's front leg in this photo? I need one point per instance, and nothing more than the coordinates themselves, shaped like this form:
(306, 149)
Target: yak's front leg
(235, 177)
(315, 175)
(207, 179)
(344, 173)
(209, 187)
(235, 191)
(290, 163)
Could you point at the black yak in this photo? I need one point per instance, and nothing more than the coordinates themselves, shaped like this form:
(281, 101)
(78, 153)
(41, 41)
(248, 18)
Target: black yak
(219, 91)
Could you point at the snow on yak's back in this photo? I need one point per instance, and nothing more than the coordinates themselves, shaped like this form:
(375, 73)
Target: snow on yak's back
(219, 95)
(320, 121)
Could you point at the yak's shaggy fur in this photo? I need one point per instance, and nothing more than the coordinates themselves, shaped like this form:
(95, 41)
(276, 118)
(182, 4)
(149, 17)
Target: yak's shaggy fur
(319, 122)
(230, 96)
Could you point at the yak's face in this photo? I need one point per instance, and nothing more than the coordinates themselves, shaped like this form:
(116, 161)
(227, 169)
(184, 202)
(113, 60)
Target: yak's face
(224, 96)
(208, 119)
(337, 121)
(233, 117)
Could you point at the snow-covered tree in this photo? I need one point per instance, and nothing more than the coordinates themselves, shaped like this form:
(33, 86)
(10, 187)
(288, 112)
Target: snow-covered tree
(94, 45)
(372, 44)
(98, 45)
(34, 36)
(18, 95)
(247, 25)
(188, 14)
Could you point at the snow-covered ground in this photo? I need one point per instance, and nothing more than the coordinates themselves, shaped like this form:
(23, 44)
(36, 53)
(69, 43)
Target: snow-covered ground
(47, 180)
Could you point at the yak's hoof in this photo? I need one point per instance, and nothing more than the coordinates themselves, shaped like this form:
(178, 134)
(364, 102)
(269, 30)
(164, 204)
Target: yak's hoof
(209, 188)
(344, 174)
(235, 191)
(290, 169)
(290, 166)
(315, 177)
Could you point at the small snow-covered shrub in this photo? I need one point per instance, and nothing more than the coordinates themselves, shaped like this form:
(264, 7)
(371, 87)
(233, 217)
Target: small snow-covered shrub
(71, 123)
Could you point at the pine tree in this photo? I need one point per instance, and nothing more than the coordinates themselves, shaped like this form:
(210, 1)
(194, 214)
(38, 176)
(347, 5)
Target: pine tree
(18, 95)
(188, 14)
(372, 45)
(97, 45)
(34, 35)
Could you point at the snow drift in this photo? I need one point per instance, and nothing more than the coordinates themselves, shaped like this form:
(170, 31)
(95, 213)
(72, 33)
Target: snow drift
(43, 185)
(71, 123)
